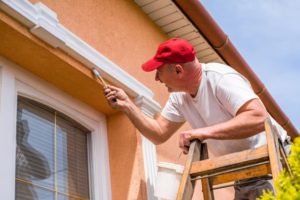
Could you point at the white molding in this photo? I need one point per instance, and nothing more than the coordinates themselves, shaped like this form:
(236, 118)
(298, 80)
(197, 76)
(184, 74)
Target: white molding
(14, 81)
(150, 162)
(21, 10)
(43, 22)
(46, 28)
(7, 138)
(149, 107)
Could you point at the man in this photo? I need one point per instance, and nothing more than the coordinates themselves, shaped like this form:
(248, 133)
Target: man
(218, 102)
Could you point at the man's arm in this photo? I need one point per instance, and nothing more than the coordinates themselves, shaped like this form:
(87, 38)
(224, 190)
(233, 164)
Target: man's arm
(248, 121)
(157, 131)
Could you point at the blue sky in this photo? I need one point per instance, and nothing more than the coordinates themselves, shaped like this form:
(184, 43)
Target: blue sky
(267, 34)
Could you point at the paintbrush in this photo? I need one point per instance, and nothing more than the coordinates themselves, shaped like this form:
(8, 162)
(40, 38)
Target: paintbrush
(102, 81)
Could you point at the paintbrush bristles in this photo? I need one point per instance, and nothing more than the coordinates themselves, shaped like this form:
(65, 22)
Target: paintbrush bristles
(98, 75)
(96, 72)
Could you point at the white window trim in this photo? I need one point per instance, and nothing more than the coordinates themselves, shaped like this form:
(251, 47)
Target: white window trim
(14, 81)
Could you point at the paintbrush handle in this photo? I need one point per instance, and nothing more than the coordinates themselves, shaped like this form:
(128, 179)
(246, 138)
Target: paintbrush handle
(114, 99)
(103, 82)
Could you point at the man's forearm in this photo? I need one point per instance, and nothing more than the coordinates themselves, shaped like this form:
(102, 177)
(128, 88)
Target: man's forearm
(147, 126)
(242, 126)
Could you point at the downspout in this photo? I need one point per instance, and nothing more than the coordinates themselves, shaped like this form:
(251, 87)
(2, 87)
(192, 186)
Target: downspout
(197, 14)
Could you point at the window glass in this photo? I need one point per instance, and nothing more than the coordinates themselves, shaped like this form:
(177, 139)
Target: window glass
(51, 154)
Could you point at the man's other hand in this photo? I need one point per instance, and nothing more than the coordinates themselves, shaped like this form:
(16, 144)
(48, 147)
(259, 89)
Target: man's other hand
(187, 136)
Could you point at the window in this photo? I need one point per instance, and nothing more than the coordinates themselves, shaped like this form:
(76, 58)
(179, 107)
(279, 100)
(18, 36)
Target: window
(51, 154)
(17, 84)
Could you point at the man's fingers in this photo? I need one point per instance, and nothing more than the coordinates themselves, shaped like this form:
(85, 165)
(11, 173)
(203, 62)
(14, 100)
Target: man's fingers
(106, 90)
(186, 142)
(113, 88)
(110, 98)
(186, 150)
(112, 93)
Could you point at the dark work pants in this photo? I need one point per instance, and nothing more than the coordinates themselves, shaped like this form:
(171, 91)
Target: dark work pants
(253, 190)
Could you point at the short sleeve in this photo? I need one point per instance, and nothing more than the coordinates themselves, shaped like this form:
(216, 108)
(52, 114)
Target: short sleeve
(233, 91)
(171, 111)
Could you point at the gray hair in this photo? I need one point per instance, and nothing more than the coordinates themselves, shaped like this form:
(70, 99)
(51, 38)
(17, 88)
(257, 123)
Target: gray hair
(187, 65)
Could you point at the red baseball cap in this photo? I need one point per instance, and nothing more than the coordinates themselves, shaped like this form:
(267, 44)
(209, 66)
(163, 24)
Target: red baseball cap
(174, 50)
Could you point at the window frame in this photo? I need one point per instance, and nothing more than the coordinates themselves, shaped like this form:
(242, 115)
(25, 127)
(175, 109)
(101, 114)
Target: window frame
(16, 81)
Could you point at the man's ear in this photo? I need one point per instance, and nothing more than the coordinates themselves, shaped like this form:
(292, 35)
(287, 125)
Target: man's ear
(179, 70)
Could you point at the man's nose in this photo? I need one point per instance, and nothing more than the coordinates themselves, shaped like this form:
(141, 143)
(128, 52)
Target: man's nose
(157, 77)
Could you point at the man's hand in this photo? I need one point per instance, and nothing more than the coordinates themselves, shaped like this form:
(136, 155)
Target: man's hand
(187, 136)
(112, 92)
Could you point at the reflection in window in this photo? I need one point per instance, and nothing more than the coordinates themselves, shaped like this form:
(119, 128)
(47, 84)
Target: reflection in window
(51, 154)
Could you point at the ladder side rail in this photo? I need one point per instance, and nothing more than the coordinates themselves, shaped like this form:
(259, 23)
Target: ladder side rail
(206, 183)
(273, 151)
(186, 188)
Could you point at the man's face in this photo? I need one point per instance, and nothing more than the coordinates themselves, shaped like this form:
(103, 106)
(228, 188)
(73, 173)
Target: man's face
(167, 76)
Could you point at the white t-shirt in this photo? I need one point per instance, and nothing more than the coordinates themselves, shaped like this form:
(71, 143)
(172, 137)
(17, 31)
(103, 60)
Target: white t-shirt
(221, 93)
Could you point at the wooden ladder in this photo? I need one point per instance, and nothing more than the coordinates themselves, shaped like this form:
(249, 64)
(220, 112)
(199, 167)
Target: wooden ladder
(268, 159)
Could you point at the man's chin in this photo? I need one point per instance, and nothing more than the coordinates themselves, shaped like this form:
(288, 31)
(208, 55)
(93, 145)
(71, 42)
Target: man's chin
(170, 90)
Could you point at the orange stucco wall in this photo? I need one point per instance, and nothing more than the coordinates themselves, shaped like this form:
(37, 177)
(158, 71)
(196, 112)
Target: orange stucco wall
(126, 159)
(123, 33)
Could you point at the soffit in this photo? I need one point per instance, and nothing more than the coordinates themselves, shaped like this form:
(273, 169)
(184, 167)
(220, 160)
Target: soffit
(174, 23)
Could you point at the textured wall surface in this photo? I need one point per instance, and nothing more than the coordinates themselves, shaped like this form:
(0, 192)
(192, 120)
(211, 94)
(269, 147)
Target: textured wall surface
(123, 33)
(126, 159)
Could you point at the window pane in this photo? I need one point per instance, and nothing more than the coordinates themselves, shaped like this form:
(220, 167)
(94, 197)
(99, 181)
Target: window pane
(64, 197)
(26, 191)
(35, 145)
(52, 152)
(72, 159)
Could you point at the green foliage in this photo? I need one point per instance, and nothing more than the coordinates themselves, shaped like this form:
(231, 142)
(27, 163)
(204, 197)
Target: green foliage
(267, 195)
(288, 188)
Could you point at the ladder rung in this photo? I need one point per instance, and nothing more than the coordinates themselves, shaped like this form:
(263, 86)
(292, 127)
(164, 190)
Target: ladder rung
(229, 161)
(257, 171)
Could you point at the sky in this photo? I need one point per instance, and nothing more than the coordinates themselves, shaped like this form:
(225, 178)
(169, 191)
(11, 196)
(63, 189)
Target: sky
(267, 34)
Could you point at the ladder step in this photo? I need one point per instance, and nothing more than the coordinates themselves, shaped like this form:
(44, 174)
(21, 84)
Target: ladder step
(242, 174)
(229, 161)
